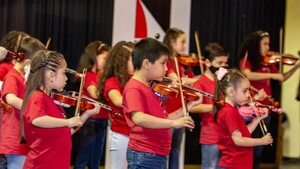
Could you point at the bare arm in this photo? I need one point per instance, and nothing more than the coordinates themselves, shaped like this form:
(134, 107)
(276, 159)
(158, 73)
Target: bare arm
(239, 140)
(53, 122)
(13, 100)
(289, 73)
(202, 108)
(261, 76)
(148, 121)
(93, 91)
(115, 97)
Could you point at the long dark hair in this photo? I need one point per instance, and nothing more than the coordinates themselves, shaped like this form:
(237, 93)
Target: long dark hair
(251, 45)
(231, 78)
(116, 65)
(29, 46)
(11, 40)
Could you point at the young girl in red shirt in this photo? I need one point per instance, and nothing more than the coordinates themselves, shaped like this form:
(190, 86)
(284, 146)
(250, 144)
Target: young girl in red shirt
(150, 134)
(90, 139)
(235, 142)
(48, 133)
(12, 94)
(175, 39)
(117, 71)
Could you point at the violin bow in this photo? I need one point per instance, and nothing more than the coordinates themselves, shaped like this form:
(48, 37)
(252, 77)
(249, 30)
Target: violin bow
(199, 51)
(48, 42)
(77, 111)
(184, 108)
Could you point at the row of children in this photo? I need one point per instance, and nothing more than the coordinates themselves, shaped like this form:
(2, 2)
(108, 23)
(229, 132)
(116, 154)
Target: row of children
(140, 125)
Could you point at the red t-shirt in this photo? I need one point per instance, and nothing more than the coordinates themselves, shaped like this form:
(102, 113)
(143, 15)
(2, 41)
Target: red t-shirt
(13, 83)
(140, 97)
(48, 147)
(92, 78)
(260, 84)
(208, 134)
(5, 67)
(118, 122)
(232, 156)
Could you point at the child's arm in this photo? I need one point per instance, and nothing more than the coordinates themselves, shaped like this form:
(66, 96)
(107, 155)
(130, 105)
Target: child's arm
(202, 108)
(93, 91)
(115, 97)
(148, 121)
(264, 114)
(53, 122)
(13, 100)
(261, 76)
(89, 113)
(239, 140)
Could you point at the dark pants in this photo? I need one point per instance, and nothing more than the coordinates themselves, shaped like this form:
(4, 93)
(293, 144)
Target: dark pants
(3, 162)
(143, 160)
(177, 136)
(88, 144)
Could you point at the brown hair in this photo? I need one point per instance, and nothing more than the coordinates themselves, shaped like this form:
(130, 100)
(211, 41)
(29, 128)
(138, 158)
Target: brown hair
(172, 34)
(116, 65)
(232, 78)
(88, 58)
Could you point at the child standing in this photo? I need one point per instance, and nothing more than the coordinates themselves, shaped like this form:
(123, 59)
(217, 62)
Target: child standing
(13, 92)
(175, 39)
(235, 142)
(90, 139)
(215, 57)
(150, 134)
(48, 133)
(117, 71)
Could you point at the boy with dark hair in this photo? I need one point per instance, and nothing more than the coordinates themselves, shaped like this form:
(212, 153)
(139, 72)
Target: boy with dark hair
(150, 134)
(215, 57)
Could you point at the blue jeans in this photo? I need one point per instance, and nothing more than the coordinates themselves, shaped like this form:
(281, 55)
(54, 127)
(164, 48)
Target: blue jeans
(210, 156)
(88, 144)
(15, 161)
(3, 162)
(143, 160)
(177, 136)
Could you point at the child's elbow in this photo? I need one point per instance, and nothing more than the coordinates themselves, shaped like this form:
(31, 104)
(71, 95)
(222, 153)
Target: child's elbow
(137, 118)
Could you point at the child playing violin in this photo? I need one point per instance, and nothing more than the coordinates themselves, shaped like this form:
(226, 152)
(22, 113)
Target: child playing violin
(12, 94)
(235, 142)
(175, 39)
(90, 139)
(252, 51)
(48, 133)
(117, 71)
(150, 134)
(215, 57)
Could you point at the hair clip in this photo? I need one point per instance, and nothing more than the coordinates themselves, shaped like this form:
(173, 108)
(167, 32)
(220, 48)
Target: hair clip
(127, 48)
(221, 73)
(264, 34)
(102, 44)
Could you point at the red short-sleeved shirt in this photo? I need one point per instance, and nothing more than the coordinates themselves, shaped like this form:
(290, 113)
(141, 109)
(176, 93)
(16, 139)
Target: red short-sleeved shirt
(118, 122)
(232, 156)
(140, 97)
(5, 67)
(260, 84)
(14, 83)
(208, 134)
(48, 147)
(92, 78)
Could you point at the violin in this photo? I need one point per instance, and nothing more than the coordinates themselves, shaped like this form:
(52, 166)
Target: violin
(273, 58)
(71, 98)
(188, 60)
(267, 101)
(5, 107)
(172, 90)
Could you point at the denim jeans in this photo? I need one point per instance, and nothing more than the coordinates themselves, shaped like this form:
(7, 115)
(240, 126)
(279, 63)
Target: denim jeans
(143, 160)
(177, 136)
(3, 162)
(117, 150)
(88, 144)
(15, 161)
(210, 156)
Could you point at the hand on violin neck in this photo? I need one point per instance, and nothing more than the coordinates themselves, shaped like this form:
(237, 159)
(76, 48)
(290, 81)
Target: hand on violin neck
(93, 111)
(277, 76)
(186, 121)
(261, 95)
(74, 122)
(191, 104)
